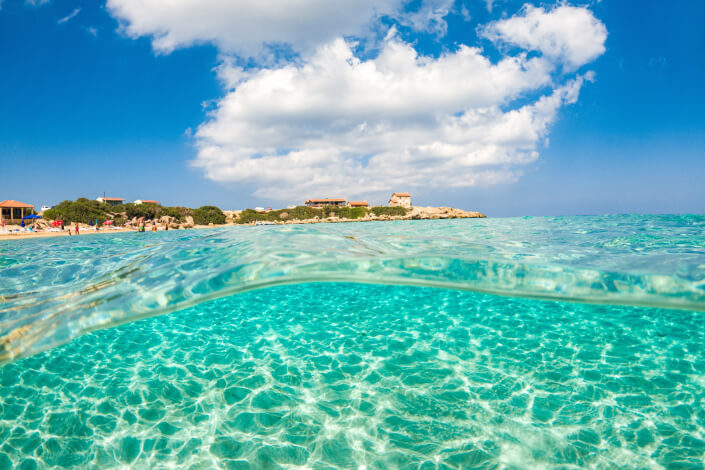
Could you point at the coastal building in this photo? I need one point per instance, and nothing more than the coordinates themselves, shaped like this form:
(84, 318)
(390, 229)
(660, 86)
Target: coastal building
(359, 204)
(339, 202)
(400, 200)
(145, 201)
(13, 211)
(113, 201)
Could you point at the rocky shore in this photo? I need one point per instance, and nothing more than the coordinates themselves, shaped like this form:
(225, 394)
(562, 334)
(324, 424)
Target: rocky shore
(415, 213)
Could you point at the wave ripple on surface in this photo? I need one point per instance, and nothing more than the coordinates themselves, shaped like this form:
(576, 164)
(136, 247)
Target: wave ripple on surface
(54, 290)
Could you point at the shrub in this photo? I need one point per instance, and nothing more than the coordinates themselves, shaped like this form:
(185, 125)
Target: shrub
(148, 211)
(248, 216)
(349, 212)
(384, 210)
(81, 210)
(177, 212)
(208, 214)
(299, 212)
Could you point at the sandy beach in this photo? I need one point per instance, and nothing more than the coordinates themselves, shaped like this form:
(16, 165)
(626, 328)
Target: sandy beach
(416, 213)
(24, 235)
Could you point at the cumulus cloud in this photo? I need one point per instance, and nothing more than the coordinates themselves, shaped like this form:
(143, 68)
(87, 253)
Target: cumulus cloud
(341, 124)
(334, 123)
(570, 35)
(244, 26)
(430, 17)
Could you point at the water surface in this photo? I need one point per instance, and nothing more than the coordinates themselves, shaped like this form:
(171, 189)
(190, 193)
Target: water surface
(488, 343)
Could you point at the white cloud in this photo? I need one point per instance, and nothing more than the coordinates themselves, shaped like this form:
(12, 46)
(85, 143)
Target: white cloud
(340, 125)
(69, 16)
(333, 123)
(244, 26)
(429, 17)
(571, 35)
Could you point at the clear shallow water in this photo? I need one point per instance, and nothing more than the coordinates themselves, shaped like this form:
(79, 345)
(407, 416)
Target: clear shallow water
(340, 375)
(348, 375)
(54, 290)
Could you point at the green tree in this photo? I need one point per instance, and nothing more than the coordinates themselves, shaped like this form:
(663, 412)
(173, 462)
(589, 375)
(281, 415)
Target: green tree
(81, 210)
(208, 214)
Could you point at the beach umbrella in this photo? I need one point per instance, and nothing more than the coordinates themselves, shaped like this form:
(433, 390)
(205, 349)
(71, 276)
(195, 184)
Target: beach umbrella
(108, 222)
(31, 216)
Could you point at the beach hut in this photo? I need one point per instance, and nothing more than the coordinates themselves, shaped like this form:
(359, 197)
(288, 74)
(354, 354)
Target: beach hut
(14, 211)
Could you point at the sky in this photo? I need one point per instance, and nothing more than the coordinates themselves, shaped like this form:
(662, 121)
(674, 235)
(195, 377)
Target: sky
(509, 108)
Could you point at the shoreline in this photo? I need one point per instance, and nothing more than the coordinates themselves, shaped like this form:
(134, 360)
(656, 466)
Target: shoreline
(417, 213)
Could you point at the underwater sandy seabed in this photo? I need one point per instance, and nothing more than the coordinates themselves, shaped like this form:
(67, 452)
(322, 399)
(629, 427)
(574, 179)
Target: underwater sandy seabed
(353, 376)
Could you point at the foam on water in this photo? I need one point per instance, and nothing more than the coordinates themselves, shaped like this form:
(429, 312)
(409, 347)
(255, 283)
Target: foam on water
(54, 290)
(331, 375)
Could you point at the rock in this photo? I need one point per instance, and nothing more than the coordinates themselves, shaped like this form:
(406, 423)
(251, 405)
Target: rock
(441, 213)
(284, 215)
(189, 220)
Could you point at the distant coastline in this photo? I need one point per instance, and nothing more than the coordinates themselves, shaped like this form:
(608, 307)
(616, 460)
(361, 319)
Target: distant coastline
(233, 219)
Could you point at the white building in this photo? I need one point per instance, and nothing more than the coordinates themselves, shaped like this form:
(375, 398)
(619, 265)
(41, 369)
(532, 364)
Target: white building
(113, 201)
(400, 200)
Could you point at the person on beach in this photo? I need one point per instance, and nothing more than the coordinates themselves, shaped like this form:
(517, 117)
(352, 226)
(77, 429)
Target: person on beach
(166, 226)
(154, 226)
(76, 229)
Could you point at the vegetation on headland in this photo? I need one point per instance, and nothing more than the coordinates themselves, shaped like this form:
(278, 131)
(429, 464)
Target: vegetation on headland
(208, 215)
(307, 213)
(85, 210)
(81, 210)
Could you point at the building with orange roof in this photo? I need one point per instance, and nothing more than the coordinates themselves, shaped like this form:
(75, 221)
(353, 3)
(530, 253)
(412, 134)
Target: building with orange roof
(339, 202)
(13, 211)
(113, 201)
(359, 204)
(146, 201)
(400, 200)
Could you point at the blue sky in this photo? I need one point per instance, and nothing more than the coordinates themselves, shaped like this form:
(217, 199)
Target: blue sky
(108, 100)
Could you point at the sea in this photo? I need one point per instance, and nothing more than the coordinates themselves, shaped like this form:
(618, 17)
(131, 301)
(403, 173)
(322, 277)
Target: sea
(498, 343)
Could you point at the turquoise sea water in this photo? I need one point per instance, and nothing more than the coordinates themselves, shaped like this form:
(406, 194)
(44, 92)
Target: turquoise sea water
(304, 373)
